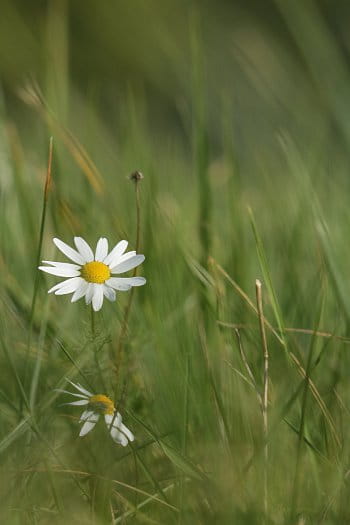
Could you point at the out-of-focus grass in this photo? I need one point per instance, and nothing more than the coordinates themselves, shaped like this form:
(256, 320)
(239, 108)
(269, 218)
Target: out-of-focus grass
(223, 109)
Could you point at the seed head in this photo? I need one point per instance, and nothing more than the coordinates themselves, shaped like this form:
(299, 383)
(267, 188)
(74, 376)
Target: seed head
(136, 176)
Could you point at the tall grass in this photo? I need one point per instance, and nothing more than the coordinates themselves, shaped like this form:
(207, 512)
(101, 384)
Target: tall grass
(240, 405)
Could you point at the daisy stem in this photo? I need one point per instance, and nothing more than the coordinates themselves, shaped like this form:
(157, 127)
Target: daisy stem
(95, 347)
(92, 323)
(136, 177)
(258, 287)
(138, 215)
(38, 256)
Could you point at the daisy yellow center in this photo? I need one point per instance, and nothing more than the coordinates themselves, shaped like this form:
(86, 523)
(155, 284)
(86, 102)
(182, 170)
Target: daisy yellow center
(95, 272)
(102, 403)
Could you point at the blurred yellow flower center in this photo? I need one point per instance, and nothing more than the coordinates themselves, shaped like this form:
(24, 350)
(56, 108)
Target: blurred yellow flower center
(102, 403)
(95, 272)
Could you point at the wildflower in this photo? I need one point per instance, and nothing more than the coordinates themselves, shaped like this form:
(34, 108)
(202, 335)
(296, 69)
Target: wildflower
(99, 404)
(91, 275)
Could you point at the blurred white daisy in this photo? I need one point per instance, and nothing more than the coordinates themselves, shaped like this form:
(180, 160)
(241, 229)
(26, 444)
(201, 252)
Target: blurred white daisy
(99, 405)
(91, 275)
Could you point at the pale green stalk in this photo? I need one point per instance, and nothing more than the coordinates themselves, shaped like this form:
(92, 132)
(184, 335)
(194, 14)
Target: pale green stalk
(38, 257)
(264, 397)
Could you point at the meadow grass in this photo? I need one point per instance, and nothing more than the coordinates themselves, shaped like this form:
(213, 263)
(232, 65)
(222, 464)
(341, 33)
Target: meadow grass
(231, 365)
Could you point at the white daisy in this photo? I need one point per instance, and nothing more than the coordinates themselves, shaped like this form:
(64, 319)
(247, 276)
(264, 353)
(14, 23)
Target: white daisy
(91, 275)
(99, 404)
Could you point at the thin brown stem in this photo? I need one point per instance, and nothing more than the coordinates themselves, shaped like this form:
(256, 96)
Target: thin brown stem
(306, 331)
(136, 177)
(301, 370)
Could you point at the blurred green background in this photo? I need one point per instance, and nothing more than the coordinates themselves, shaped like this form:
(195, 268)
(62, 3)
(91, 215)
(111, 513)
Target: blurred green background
(275, 64)
(237, 113)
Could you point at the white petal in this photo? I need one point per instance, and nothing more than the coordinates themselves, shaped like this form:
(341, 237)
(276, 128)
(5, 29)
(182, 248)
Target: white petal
(80, 291)
(101, 249)
(113, 423)
(63, 264)
(117, 284)
(125, 283)
(97, 298)
(113, 256)
(117, 420)
(127, 432)
(89, 424)
(84, 390)
(80, 402)
(58, 285)
(71, 285)
(109, 293)
(108, 419)
(60, 271)
(86, 415)
(80, 388)
(118, 437)
(70, 393)
(89, 293)
(129, 264)
(84, 249)
(119, 432)
(124, 257)
(68, 251)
